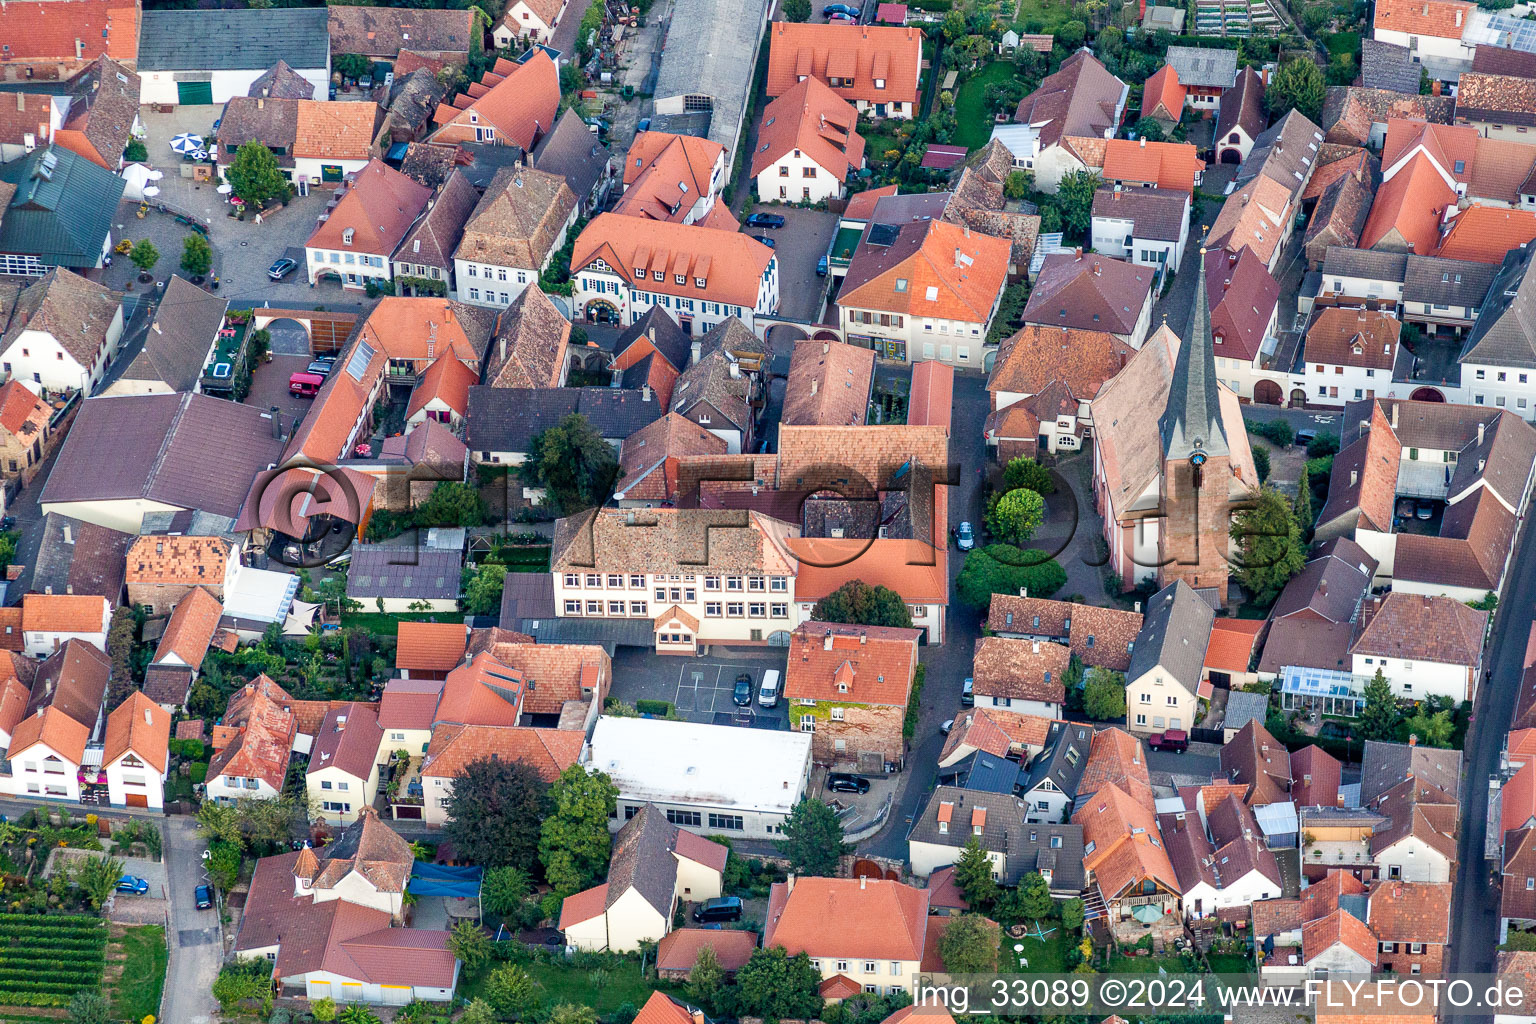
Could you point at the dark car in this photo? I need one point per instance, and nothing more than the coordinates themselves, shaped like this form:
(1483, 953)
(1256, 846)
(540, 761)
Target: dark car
(968, 693)
(832, 9)
(204, 895)
(1425, 511)
(770, 243)
(722, 908)
(322, 367)
(132, 884)
(1305, 437)
(765, 220)
(282, 268)
(842, 782)
(743, 693)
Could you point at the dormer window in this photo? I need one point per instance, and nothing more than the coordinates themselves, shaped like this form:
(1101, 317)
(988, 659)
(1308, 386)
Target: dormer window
(901, 284)
(346, 235)
(659, 275)
(698, 282)
(639, 272)
(680, 278)
(879, 83)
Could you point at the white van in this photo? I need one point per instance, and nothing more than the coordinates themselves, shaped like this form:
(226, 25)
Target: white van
(768, 696)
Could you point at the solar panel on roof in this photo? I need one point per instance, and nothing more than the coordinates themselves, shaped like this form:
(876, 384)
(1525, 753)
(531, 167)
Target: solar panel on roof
(358, 364)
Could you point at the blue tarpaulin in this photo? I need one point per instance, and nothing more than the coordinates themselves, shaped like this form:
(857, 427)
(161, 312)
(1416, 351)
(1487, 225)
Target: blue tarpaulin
(445, 880)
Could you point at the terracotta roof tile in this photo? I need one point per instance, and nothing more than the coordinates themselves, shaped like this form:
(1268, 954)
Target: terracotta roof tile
(1172, 165)
(1486, 233)
(336, 130)
(995, 731)
(1020, 669)
(1315, 777)
(934, 269)
(64, 613)
(429, 646)
(1253, 216)
(813, 119)
(1035, 355)
(1242, 295)
(848, 918)
(665, 175)
(1421, 628)
(447, 380)
(1122, 846)
(1339, 927)
(1116, 758)
(730, 264)
(851, 664)
(62, 734)
(1079, 99)
(521, 106)
(1163, 92)
(259, 733)
(1445, 19)
(1508, 99)
(36, 32)
(828, 384)
(679, 949)
(378, 210)
(385, 31)
(1232, 644)
(77, 312)
(859, 54)
(518, 220)
(348, 739)
(139, 725)
(1090, 293)
(173, 559)
(648, 458)
(1353, 337)
(191, 629)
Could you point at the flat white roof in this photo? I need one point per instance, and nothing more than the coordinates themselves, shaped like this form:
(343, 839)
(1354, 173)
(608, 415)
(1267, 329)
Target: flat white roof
(710, 765)
(261, 595)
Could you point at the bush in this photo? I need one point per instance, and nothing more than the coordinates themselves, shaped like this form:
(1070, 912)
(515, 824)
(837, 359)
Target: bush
(660, 708)
(1003, 569)
(1277, 432)
(1323, 445)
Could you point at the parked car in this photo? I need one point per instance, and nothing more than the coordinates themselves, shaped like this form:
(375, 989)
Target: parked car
(643, 126)
(1426, 510)
(721, 908)
(770, 243)
(320, 367)
(821, 267)
(282, 268)
(968, 692)
(832, 9)
(842, 782)
(965, 537)
(846, 19)
(132, 884)
(1305, 437)
(1176, 740)
(947, 725)
(765, 220)
(743, 692)
(305, 385)
(7, 523)
(768, 693)
(204, 895)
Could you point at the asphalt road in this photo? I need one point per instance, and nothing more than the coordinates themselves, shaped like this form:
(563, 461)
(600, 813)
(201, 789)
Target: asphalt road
(1475, 920)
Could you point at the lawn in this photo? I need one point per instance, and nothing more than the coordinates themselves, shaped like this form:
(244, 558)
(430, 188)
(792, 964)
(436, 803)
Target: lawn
(384, 623)
(1171, 962)
(604, 990)
(1047, 956)
(973, 122)
(1342, 42)
(1230, 963)
(1048, 15)
(137, 992)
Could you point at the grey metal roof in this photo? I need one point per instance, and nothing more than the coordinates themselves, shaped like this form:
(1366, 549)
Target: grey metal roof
(1503, 334)
(608, 633)
(1025, 847)
(991, 774)
(1174, 634)
(404, 571)
(709, 51)
(178, 340)
(1244, 707)
(1341, 261)
(1447, 282)
(62, 209)
(1192, 420)
(1198, 66)
(239, 40)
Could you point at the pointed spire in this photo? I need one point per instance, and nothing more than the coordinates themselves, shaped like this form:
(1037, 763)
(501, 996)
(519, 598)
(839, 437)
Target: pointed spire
(1193, 419)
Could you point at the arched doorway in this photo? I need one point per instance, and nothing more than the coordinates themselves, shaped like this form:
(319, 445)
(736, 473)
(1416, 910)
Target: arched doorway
(778, 638)
(782, 338)
(1267, 392)
(601, 311)
(289, 338)
(1231, 156)
(1427, 394)
(1298, 397)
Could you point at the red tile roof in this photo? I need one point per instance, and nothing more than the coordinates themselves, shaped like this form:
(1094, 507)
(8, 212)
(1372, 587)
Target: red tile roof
(1172, 165)
(924, 275)
(521, 104)
(64, 613)
(861, 55)
(409, 703)
(850, 918)
(1122, 844)
(40, 32)
(550, 751)
(141, 726)
(1444, 19)
(1242, 295)
(348, 739)
(1486, 233)
(1317, 937)
(191, 629)
(1353, 337)
(1406, 214)
(375, 213)
(851, 664)
(679, 950)
(814, 120)
(730, 264)
(1231, 645)
(429, 646)
(447, 380)
(1163, 90)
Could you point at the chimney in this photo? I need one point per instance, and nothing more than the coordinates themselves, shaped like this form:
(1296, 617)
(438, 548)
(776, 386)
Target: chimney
(735, 369)
(1394, 415)
(277, 422)
(1036, 647)
(21, 102)
(650, 332)
(261, 104)
(698, 1016)
(645, 392)
(863, 882)
(156, 326)
(813, 387)
(69, 588)
(1077, 253)
(789, 883)
(1098, 269)
(1137, 607)
(1435, 87)
(502, 342)
(1143, 142)
(1023, 591)
(695, 352)
(1479, 435)
(68, 534)
(863, 638)
(826, 640)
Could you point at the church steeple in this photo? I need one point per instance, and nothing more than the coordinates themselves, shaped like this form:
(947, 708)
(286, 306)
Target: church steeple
(1192, 422)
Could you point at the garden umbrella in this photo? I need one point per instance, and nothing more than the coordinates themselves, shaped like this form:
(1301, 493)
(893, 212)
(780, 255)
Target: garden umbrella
(1147, 914)
(186, 142)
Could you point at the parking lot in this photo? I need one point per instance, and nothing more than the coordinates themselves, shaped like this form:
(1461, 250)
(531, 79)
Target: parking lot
(799, 244)
(700, 688)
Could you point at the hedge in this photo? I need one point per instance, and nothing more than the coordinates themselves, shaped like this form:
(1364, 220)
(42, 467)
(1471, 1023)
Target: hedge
(663, 708)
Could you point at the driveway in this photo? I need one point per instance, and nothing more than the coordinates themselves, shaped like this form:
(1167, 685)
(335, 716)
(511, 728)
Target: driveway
(269, 388)
(801, 243)
(194, 937)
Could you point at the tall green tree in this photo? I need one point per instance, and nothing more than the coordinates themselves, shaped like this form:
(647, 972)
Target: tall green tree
(1433, 729)
(1035, 893)
(797, 10)
(1378, 719)
(1072, 915)
(144, 255)
(706, 980)
(574, 841)
(1304, 513)
(1074, 196)
(1015, 516)
(1004, 569)
(969, 945)
(512, 993)
(494, 813)
(470, 944)
(1269, 539)
(483, 585)
(973, 874)
(196, 255)
(1296, 85)
(1023, 471)
(253, 175)
(860, 604)
(351, 65)
(1104, 695)
(98, 876)
(452, 503)
(775, 986)
(573, 464)
(813, 839)
(503, 889)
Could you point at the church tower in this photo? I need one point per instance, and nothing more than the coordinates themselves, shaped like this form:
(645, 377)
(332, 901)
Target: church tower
(1195, 529)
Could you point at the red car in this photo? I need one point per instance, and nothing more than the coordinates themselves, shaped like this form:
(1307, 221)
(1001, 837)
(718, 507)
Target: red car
(1176, 740)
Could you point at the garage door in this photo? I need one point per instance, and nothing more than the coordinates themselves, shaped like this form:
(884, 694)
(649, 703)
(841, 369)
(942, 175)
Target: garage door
(194, 92)
(351, 992)
(395, 995)
(136, 799)
(319, 990)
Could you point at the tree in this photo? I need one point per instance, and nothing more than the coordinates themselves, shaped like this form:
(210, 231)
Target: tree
(89, 1006)
(574, 841)
(1325, 443)
(469, 943)
(571, 80)
(573, 464)
(860, 604)
(483, 585)
(1296, 85)
(1074, 195)
(1110, 40)
(571, 1013)
(1071, 35)
(1151, 129)
(136, 151)
(1026, 472)
(1104, 695)
(953, 25)
(224, 862)
(196, 255)
(121, 637)
(1261, 462)
(813, 839)
(1379, 718)
(357, 1013)
(1003, 569)
(1072, 914)
(1018, 184)
(707, 979)
(511, 992)
(1016, 515)
(969, 945)
(1304, 513)
(98, 877)
(452, 503)
(218, 821)
(144, 255)
(323, 1010)
(973, 874)
(494, 813)
(351, 65)
(797, 10)
(774, 985)
(243, 978)
(1433, 730)
(254, 176)
(1271, 549)
(503, 889)
(478, 1012)
(1035, 892)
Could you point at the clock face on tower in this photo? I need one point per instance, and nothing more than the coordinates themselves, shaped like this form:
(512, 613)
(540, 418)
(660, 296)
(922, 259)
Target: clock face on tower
(1197, 459)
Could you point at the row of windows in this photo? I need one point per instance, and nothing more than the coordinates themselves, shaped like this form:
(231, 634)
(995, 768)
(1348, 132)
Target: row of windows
(490, 296)
(336, 806)
(418, 270)
(1502, 376)
(712, 609)
(870, 967)
(343, 786)
(1499, 401)
(805, 172)
(476, 270)
(1146, 698)
(635, 581)
(352, 258)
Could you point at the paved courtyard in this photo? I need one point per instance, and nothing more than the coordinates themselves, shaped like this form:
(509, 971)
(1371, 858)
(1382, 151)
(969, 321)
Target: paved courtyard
(701, 688)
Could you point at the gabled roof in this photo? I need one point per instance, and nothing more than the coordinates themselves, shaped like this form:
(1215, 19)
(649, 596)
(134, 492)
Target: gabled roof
(103, 106)
(64, 613)
(385, 31)
(1020, 669)
(519, 219)
(994, 731)
(180, 336)
(1505, 334)
(1121, 844)
(76, 312)
(521, 104)
(1353, 337)
(139, 726)
(852, 918)
(828, 384)
(933, 269)
(1170, 165)
(1417, 627)
(1115, 758)
(1163, 91)
(1080, 99)
(429, 646)
(1388, 66)
(1082, 360)
(730, 264)
(433, 239)
(282, 82)
(1260, 762)
(233, 40)
(375, 213)
(1386, 765)
(60, 207)
(1316, 776)
(190, 630)
(348, 739)
(1338, 928)
(528, 349)
(573, 152)
(1507, 99)
(447, 380)
(1242, 106)
(1089, 293)
(1444, 19)
(409, 704)
(370, 848)
(870, 665)
(1155, 213)
(679, 949)
(648, 459)
(1411, 912)
(34, 31)
(861, 55)
(1174, 634)
(666, 174)
(1253, 216)
(811, 119)
(1242, 295)
(1487, 233)
(453, 746)
(51, 726)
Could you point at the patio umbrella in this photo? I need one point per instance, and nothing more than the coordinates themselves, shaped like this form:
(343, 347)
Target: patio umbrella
(1148, 914)
(224, 189)
(186, 142)
(151, 190)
